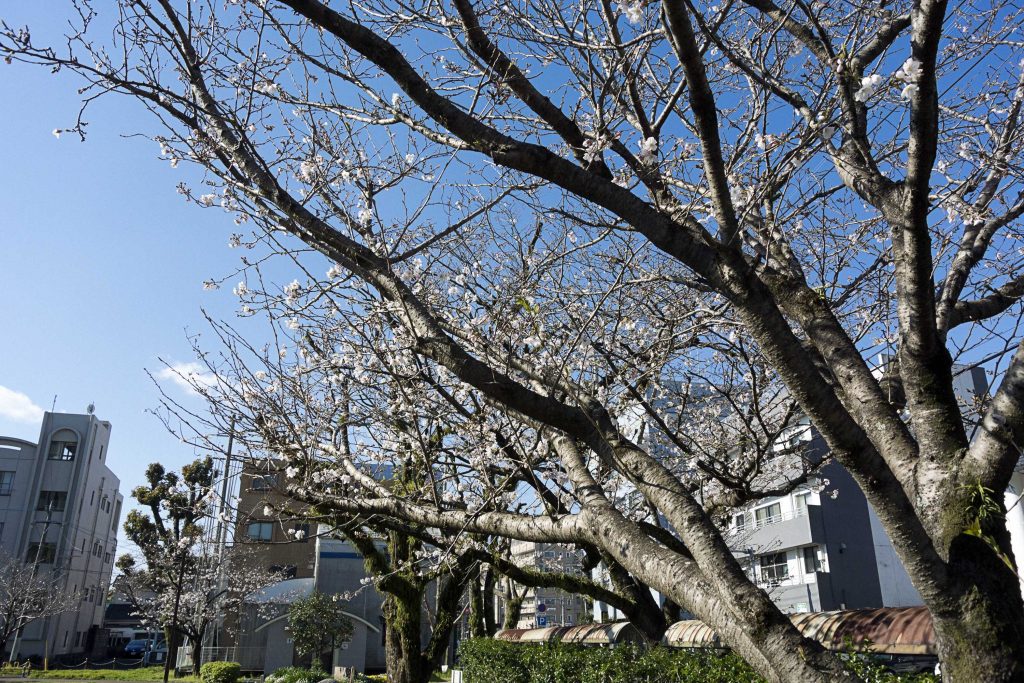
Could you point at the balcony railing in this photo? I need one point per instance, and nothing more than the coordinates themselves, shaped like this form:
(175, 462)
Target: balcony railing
(753, 523)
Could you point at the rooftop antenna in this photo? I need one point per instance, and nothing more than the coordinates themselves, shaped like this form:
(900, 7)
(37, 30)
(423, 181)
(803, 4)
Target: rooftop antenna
(53, 406)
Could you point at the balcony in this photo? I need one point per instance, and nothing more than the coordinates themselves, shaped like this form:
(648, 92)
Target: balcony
(779, 531)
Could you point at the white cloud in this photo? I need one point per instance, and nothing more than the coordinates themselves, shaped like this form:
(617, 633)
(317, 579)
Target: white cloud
(186, 375)
(18, 407)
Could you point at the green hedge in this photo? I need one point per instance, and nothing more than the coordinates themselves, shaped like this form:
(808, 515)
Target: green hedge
(221, 672)
(484, 660)
(296, 674)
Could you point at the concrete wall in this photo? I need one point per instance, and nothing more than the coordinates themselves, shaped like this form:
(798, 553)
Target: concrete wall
(897, 591)
(849, 544)
(339, 569)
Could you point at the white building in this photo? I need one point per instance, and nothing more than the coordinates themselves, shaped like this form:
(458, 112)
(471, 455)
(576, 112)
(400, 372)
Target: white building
(544, 607)
(59, 508)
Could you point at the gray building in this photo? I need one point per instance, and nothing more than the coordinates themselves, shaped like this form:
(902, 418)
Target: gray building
(547, 606)
(821, 547)
(59, 509)
(263, 641)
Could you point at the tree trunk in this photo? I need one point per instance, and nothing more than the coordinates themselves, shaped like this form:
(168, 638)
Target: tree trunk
(172, 639)
(197, 654)
(671, 612)
(325, 661)
(476, 610)
(487, 597)
(979, 622)
(513, 608)
(402, 648)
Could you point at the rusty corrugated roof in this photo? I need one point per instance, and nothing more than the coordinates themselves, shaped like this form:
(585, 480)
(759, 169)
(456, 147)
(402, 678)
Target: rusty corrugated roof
(512, 635)
(551, 634)
(604, 634)
(894, 630)
(691, 633)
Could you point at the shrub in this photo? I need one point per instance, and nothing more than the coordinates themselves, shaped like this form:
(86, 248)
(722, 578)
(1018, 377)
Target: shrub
(295, 674)
(483, 660)
(221, 672)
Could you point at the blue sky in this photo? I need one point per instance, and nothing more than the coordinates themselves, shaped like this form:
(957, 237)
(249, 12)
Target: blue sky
(101, 262)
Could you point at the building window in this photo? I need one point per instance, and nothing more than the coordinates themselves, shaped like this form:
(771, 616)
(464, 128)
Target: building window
(260, 531)
(286, 571)
(739, 521)
(774, 567)
(6, 483)
(812, 562)
(44, 553)
(63, 445)
(769, 514)
(264, 482)
(54, 501)
(117, 514)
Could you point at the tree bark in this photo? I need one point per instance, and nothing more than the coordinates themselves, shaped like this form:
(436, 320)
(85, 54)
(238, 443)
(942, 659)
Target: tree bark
(405, 663)
(978, 613)
(513, 608)
(487, 596)
(197, 654)
(477, 629)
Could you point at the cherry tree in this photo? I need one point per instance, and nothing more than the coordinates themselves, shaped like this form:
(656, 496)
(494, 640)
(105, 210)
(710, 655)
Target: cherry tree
(29, 593)
(186, 580)
(402, 434)
(550, 213)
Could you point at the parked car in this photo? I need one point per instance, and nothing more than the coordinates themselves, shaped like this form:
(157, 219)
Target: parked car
(138, 648)
(157, 654)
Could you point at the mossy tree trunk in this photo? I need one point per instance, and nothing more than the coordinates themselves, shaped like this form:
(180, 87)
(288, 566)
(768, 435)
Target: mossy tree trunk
(978, 613)
(487, 598)
(477, 627)
(402, 645)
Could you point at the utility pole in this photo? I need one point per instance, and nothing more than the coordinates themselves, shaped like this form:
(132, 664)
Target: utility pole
(35, 571)
(224, 490)
(222, 529)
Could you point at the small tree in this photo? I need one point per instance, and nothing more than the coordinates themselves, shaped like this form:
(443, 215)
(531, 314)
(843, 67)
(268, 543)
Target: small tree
(318, 624)
(184, 584)
(27, 594)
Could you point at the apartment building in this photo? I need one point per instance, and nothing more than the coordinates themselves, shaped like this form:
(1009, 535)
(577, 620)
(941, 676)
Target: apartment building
(546, 606)
(285, 546)
(822, 547)
(59, 509)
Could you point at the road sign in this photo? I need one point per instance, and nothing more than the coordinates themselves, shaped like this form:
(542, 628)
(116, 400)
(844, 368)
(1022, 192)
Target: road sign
(542, 622)
(542, 607)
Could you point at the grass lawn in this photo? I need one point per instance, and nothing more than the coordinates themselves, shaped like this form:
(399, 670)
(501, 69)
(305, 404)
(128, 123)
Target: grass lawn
(149, 673)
